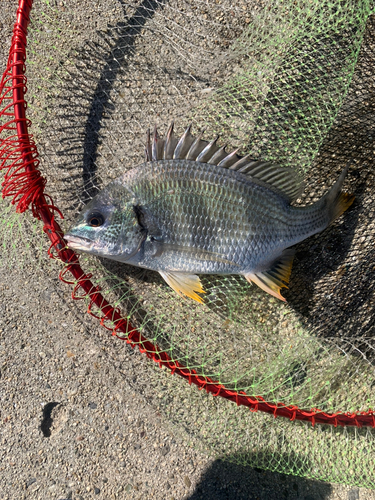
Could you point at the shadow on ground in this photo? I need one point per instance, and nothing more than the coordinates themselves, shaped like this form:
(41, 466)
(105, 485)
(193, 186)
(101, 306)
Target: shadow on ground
(230, 481)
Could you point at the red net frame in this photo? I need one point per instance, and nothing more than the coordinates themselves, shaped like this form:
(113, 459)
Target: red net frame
(25, 186)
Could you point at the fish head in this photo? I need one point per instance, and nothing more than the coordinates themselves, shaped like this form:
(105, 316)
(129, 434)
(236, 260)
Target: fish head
(108, 226)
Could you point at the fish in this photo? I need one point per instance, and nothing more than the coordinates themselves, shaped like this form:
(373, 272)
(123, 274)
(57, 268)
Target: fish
(192, 208)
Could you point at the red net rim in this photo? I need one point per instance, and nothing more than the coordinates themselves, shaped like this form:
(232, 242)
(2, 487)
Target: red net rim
(25, 185)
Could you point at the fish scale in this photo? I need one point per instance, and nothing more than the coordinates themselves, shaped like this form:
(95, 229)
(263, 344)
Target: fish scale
(176, 214)
(185, 217)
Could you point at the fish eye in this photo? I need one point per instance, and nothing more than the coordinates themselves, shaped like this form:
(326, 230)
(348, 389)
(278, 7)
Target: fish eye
(95, 219)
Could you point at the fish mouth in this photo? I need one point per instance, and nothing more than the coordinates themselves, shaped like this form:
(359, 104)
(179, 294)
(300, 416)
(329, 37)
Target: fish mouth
(78, 242)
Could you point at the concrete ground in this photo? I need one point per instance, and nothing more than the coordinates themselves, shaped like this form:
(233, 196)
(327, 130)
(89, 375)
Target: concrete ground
(75, 426)
(74, 423)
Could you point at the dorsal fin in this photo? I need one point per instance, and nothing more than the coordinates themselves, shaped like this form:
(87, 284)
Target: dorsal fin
(183, 145)
(170, 143)
(196, 148)
(287, 181)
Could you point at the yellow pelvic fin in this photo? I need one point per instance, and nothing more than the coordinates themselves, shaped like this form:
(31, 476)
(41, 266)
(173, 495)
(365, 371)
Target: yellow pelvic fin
(273, 280)
(183, 283)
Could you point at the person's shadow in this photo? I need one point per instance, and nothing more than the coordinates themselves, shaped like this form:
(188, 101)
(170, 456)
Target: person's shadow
(225, 480)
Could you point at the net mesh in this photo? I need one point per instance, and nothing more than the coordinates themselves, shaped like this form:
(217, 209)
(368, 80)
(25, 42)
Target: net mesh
(284, 81)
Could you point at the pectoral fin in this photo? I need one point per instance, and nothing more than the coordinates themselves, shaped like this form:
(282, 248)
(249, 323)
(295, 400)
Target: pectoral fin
(183, 283)
(198, 254)
(276, 278)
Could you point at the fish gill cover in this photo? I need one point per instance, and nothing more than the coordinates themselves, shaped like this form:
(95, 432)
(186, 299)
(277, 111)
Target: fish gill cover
(288, 82)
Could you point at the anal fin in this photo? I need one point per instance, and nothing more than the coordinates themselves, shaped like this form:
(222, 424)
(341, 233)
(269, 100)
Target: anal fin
(277, 277)
(183, 283)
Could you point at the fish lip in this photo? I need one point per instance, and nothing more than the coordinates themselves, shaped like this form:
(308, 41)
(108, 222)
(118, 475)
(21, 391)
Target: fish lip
(78, 242)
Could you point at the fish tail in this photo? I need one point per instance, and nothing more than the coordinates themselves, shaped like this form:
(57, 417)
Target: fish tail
(336, 200)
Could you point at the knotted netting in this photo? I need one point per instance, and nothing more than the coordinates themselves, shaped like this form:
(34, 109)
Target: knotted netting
(289, 82)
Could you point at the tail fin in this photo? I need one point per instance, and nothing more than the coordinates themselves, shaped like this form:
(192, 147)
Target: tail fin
(337, 201)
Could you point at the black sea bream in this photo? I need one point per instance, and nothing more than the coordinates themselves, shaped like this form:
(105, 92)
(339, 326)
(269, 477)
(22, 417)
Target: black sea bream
(193, 209)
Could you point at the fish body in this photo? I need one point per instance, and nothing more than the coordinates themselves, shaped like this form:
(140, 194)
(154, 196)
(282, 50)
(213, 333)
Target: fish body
(184, 212)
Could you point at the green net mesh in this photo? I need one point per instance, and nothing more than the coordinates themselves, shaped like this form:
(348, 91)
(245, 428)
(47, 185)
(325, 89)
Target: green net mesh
(285, 81)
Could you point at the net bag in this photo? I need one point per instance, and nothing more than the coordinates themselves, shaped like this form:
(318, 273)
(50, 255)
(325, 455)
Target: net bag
(288, 82)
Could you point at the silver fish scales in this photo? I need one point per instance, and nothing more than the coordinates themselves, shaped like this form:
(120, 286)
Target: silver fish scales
(192, 209)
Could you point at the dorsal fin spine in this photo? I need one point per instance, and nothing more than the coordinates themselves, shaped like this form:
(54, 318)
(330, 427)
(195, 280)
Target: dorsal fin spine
(284, 180)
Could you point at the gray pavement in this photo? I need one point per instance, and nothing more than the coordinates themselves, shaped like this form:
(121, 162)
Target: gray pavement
(74, 424)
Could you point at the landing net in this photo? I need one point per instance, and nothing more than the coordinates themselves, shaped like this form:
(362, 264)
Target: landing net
(290, 82)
